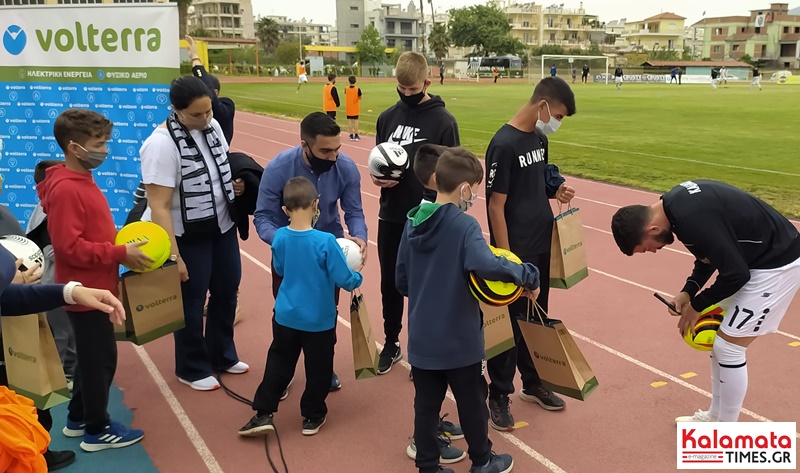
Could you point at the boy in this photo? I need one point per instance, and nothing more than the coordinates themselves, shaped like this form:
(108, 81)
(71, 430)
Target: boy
(417, 118)
(754, 250)
(330, 97)
(83, 232)
(302, 78)
(445, 340)
(57, 318)
(518, 190)
(618, 74)
(352, 103)
(311, 264)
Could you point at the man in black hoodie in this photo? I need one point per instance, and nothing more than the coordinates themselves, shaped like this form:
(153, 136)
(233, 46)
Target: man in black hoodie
(417, 118)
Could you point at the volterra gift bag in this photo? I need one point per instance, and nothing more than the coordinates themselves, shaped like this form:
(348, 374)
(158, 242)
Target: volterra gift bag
(153, 304)
(498, 336)
(365, 352)
(568, 265)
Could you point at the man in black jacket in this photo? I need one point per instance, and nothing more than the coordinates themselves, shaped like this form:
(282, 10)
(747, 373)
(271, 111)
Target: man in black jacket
(754, 249)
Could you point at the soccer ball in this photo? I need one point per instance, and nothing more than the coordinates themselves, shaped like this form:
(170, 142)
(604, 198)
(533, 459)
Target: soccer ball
(388, 161)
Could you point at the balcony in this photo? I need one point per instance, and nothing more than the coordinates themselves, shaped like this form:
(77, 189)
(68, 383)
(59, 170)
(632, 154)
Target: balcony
(651, 33)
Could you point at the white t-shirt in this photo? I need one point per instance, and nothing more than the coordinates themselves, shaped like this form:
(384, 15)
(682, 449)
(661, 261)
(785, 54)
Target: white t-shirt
(161, 166)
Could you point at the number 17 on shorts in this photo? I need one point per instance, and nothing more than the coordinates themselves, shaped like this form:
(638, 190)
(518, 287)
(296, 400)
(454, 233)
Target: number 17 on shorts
(737, 446)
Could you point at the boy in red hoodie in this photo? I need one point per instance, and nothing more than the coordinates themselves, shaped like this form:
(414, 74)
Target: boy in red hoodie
(83, 234)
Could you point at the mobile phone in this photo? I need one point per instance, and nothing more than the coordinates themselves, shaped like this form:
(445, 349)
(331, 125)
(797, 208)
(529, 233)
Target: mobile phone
(666, 303)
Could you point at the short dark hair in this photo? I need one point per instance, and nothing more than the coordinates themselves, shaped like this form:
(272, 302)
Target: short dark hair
(331, 76)
(628, 227)
(39, 172)
(455, 166)
(80, 125)
(186, 89)
(299, 193)
(555, 90)
(214, 82)
(425, 161)
(351, 79)
(316, 124)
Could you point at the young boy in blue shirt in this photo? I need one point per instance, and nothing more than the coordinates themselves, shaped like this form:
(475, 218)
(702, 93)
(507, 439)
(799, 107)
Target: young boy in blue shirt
(312, 265)
(440, 246)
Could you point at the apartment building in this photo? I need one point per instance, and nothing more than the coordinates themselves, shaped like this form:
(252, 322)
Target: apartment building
(72, 2)
(223, 19)
(318, 34)
(770, 36)
(398, 28)
(693, 38)
(537, 25)
(664, 31)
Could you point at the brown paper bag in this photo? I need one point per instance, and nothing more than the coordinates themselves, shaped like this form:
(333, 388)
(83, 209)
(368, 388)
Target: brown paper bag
(120, 334)
(498, 336)
(32, 363)
(568, 265)
(558, 360)
(365, 352)
(153, 303)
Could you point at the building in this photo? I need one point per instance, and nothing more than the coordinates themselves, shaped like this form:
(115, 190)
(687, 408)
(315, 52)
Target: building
(664, 32)
(537, 25)
(71, 2)
(317, 34)
(397, 27)
(769, 36)
(693, 39)
(222, 18)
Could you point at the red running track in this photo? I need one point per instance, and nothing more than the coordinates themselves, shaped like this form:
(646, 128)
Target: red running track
(647, 374)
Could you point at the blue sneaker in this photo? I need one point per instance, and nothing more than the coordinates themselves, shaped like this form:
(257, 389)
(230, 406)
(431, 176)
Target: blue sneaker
(115, 435)
(73, 429)
(335, 384)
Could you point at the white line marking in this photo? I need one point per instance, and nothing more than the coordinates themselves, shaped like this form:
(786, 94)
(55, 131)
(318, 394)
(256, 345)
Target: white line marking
(194, 436)
(511, 438)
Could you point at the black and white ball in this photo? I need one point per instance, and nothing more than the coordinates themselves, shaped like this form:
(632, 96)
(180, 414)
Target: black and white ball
(23, 249)
(388, 161)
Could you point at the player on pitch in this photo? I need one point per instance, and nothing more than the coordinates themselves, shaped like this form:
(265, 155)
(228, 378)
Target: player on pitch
(756, 252)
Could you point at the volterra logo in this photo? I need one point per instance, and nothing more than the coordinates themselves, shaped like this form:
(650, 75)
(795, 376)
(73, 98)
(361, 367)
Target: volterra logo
(155, 303)
(574, 246)
(21, 356)
(549, 359)
(84, 38)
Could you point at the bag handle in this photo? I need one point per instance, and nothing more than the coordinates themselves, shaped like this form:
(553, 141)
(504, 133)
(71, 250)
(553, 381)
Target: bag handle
(569, 210)
(537, 310)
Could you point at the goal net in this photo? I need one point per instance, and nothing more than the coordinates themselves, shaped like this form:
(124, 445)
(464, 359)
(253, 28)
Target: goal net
(541, 66)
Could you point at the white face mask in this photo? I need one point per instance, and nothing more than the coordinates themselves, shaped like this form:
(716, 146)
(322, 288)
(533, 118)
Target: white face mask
(550, 127)
(466, 204)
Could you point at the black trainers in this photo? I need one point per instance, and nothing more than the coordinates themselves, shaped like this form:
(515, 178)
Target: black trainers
(57, 460)
(502, 463)
(447, 453)
(335, 383)
(544, 397)
(258, 425)
(311, 426)
(390, 355)
(450, 429)
(500, 417)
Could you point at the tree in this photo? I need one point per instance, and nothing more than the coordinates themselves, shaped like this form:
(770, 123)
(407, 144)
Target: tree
(268, 33)
(439, 40)
(371, 49)
(288, 53)
(484, 28)
(183, 16)
(398, 51)
(201, 33)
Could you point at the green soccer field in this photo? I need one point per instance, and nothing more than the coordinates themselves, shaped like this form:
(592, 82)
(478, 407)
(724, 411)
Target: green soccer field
(647, 136)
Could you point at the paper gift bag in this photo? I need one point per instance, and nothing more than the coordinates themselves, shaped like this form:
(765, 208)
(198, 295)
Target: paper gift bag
(498, 336)
(558, 360)
(365, 352)
(568, 265)
(32, 363)
(120, 333)
(153, 303)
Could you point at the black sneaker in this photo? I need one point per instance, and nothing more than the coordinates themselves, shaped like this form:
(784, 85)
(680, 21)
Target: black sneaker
(57, 460)
(390, 355)
(450, 429)
(500, 417)
(502, 463)
(311, 426)
(335, 383)
(258, 425)
(447, 453)
(544, 397)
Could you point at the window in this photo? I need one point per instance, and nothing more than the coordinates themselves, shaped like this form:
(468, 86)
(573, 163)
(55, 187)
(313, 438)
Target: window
(796, 29)
(390, 43)
(526, 24)
(133, 1)
(409, 45)
(785, 30)
(354, 25)
(717, 31)
(76, 2)
(744, 30)
(22, 2)
(735, 47)
(717, 49)
(353, 7)
(758, 30)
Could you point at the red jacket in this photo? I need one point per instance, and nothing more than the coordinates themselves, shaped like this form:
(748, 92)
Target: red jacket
(82, 230)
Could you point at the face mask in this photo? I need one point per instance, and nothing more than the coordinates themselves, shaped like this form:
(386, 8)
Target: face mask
(550, 127)
(195, 123)
(315, 219)
(411, 101)
(466, 204)
(319, 166)
(93, 159)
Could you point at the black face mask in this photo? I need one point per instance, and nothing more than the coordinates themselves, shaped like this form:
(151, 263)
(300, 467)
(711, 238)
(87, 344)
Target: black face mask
(411, 101)
(318, 165)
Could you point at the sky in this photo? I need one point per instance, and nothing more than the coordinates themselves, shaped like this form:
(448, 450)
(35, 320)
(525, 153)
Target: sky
(324, 11)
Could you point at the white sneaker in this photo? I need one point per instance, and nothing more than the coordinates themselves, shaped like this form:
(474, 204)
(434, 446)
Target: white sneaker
(699, 416)
(206, 384)
(239, 368)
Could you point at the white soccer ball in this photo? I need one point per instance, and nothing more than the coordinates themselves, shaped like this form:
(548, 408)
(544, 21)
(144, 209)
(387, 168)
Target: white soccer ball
(352, 253)
(23, 249)
(388, 161)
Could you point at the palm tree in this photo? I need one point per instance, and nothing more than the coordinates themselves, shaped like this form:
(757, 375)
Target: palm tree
(268, 33)
(439, 40)
(422, 15)
(183, 16)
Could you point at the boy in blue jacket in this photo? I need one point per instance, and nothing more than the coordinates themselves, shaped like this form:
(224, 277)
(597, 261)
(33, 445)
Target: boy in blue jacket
(440, 246)
(312, 265)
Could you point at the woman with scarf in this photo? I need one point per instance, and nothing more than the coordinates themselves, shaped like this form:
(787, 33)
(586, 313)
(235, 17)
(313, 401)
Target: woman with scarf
(190, 193)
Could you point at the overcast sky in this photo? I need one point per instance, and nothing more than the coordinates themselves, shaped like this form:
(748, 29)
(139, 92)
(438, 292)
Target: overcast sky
(324, 11)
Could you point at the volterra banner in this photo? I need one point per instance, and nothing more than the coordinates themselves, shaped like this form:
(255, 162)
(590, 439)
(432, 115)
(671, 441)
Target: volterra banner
(115, 59)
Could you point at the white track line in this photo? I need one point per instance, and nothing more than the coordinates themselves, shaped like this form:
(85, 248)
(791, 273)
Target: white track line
(527, 449)
(191, 431)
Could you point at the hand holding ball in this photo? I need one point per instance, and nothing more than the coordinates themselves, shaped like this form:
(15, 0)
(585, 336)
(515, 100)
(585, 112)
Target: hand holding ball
(352, 253)
(705, 329)
(388, 162)
(148, 246)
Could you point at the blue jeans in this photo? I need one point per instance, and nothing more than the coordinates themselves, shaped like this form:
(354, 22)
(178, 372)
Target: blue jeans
(215, 268)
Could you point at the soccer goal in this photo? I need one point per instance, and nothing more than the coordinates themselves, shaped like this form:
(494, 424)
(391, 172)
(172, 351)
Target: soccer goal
(540, 67)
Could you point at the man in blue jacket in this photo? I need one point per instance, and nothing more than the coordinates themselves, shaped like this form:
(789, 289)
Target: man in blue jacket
(336, 178)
